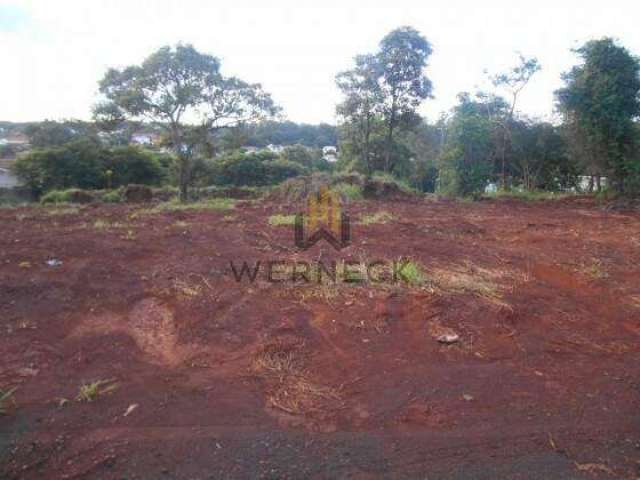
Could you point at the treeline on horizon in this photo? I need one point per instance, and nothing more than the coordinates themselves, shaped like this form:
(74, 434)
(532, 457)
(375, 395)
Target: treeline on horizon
(207, 120)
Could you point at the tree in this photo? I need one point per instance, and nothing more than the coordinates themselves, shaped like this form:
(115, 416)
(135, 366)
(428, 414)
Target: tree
(358, 110)
(401, 61)
(467, 160)
(253, 169)
(184, 91)
(514, 82)
(600, 101)
(540, 158)
(54, 134)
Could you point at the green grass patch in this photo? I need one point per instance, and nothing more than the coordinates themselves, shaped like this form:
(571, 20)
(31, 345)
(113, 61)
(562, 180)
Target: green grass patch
(60, 210)
(57, 196)
(411, 272)
(282, 219)
(212, 204)
(529, 195)
(378, 217)
(348, 191)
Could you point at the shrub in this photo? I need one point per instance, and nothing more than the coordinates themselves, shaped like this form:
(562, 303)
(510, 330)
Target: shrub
(133, 165)
(256, 169)
(281, 170)
(112, 196)
(87, 165)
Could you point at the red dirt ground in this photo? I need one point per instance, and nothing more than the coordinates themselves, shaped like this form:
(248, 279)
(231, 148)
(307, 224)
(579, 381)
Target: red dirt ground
(264, 380)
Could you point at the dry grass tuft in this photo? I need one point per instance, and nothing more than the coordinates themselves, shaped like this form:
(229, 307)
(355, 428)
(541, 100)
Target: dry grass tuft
(278, 358)
(6, 397)
(289, 387)
(186, 290)
(378, 217)
(635, 300)
(469, 279)
(297, 395)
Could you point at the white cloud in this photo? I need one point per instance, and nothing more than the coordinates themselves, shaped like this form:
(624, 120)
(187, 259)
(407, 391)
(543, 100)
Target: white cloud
(54, 55)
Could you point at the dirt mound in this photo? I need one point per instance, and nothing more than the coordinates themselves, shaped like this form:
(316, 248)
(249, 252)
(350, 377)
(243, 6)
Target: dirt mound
(379, 189)
(240, 193)
(297, 189)
(137, 194)
(81, 196)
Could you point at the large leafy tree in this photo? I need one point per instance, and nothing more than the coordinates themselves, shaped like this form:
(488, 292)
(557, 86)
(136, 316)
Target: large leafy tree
(401, 60)
(183, 91)
(600, 101)
(381, 95)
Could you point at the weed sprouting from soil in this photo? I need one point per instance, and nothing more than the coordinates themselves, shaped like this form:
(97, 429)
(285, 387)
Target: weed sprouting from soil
(92, 391)
(6, 397)
(129, 235)
(596, 270)
(378, 217)
(412, 273)
(279, 219)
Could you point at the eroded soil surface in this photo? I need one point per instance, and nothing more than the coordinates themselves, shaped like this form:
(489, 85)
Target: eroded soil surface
(539, 376)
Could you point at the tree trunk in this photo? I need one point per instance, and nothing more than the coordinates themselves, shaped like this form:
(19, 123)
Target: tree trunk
(387, 155)
(184, 178)
(366, 147)
(392, 121)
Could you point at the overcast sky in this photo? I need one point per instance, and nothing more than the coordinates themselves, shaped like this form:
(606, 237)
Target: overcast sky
(53, 52)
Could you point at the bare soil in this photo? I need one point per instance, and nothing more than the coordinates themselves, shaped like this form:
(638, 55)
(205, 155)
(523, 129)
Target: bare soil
(224, 379)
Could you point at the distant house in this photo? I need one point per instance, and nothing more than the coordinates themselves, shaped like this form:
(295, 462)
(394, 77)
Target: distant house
(586, 181)
(251, 149)
(7, 179)
(330, 153)
(16, 138)
(145, 139)
(275, 148)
